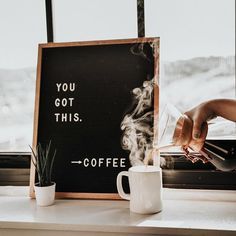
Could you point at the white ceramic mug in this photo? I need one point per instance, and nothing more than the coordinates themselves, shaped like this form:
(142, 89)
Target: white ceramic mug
(145, 189)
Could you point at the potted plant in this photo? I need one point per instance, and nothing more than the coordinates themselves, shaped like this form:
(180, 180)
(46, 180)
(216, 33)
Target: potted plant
(43, 160)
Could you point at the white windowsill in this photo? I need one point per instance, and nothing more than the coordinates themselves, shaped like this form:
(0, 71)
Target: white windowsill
(185, 212)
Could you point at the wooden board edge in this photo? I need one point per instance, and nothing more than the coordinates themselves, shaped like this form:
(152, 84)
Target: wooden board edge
(99, 42)
(92, 196)
(156, 49)
(36, 117)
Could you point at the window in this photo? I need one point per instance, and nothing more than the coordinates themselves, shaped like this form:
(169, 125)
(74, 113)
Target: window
(22, 28)
(197, 56)
(197, 49)
(79, 20)
(197, 64)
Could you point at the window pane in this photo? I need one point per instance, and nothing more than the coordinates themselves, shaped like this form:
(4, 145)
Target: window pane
(78, 20)
(197, 52)
(22, 24)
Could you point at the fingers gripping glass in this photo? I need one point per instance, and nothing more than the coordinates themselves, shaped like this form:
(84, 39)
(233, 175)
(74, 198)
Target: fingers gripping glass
(175, 135)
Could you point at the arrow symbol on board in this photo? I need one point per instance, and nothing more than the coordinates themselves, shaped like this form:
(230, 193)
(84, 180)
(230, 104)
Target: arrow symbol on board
(76, 162)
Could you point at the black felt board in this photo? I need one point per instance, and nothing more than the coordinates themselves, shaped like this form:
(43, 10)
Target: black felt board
(101, 75)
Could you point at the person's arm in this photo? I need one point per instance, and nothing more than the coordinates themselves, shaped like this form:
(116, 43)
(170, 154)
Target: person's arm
(191, 128)
(225, 108)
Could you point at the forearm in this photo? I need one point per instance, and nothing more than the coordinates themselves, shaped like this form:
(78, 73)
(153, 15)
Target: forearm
(225, 108)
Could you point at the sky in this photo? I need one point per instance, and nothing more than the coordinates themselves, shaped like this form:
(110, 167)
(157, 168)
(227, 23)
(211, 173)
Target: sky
(192, 28)
(188, 28)
(22, 26)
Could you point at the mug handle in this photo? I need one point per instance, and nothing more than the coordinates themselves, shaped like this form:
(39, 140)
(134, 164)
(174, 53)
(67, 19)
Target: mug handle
(119, 185)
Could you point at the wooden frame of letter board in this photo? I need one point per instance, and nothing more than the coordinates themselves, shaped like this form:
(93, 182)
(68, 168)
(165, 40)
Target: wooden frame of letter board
(154, 41)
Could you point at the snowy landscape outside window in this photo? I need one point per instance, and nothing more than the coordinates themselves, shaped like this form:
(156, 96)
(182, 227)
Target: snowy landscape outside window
(22, 26)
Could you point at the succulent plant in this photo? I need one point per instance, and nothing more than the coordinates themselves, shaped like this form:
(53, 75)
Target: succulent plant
(43, 160)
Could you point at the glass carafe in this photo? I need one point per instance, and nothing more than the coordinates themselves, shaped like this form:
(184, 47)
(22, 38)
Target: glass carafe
(219, 148)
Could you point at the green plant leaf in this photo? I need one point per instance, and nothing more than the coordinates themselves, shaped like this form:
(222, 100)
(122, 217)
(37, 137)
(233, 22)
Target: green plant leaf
(43, 162)
(51, 164)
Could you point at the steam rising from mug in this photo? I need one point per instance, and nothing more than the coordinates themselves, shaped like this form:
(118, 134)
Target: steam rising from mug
(137, 126)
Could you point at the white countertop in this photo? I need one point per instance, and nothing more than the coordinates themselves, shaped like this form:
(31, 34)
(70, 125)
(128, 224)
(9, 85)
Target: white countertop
(185, 212)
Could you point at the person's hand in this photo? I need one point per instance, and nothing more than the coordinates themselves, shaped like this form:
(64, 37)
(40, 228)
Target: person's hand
(191, 128)
(199, 116)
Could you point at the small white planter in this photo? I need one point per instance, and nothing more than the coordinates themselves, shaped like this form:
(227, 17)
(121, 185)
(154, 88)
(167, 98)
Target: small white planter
(45, 196)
